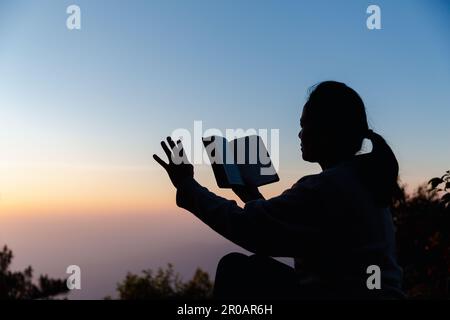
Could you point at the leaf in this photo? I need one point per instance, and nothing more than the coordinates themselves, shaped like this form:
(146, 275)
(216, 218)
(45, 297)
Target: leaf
(445, 198)
(435, 182)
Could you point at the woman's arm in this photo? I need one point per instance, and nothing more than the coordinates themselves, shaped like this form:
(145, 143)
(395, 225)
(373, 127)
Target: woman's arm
(276, 227)
(270, 227)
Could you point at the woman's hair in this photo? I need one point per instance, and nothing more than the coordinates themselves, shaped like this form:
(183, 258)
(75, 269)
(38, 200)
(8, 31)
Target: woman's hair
(339, 110)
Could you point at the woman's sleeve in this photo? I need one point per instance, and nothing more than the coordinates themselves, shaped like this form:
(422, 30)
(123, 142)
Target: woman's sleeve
(281, 226)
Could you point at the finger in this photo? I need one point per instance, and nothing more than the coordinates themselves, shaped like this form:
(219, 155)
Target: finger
(178, 157)
(166, 150)
(171, 143)
(179, 148)
(182, 153)
(160, 161)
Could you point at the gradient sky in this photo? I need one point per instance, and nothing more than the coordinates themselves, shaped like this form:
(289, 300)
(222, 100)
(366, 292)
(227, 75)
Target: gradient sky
(81, 112)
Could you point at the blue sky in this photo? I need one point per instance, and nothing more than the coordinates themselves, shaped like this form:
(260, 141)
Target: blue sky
(106, 95)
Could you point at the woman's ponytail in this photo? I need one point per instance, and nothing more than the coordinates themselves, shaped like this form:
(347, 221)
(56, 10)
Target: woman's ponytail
(379, 170)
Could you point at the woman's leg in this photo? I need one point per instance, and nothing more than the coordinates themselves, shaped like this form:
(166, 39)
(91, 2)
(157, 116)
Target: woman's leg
(231, 276)
(240, 276)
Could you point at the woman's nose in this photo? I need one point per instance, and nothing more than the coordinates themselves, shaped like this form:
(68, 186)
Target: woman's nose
(300, 134)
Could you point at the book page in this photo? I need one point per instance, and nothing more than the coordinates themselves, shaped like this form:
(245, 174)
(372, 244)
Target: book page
(257, 168)
(231, 167)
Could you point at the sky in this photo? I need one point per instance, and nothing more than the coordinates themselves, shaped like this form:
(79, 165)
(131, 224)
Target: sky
(82, 111)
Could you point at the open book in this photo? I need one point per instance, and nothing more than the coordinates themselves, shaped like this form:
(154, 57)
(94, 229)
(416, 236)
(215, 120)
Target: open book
(240, 161)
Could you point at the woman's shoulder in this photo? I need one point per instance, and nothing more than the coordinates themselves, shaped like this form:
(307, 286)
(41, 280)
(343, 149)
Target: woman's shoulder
(340, 176)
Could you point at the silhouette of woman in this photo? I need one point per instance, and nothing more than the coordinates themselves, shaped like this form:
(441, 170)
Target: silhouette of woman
(334, 224)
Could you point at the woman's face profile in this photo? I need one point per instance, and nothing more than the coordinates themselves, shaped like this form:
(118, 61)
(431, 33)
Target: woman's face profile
(317, 143)
(311, 137)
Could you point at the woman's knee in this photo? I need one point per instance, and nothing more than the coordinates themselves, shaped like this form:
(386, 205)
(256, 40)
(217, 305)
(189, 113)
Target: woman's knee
(232, 260)
(230, 275)
(258, 258)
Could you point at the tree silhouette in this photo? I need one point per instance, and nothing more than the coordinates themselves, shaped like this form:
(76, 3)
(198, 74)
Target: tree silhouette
(19, 285)
(423, 240)
(441, 186)
(165, 284)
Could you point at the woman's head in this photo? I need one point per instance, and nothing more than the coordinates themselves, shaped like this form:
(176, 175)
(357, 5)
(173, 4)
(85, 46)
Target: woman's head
(333, 127)
(333, 123)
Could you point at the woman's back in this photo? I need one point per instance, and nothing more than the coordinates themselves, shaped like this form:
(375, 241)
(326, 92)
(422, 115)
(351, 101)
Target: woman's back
(356, 231)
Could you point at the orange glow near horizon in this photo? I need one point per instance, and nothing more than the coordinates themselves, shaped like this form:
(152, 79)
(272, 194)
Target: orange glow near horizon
(77, 190)
(105, 190)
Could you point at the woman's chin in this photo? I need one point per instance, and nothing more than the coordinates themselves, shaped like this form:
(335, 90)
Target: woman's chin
(306, 157)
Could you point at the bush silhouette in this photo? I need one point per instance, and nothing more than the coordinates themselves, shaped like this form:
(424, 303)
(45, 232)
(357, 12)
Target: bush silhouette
(165, 284)
(423, 225)
(19, 285)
